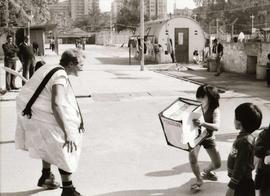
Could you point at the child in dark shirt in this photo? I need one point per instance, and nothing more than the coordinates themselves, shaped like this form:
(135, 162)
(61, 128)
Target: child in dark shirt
(248, 118)
(262, 151)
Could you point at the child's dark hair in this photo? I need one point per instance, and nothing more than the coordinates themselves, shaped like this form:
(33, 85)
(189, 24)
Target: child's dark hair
(212, 94)
(39, 64)
(268, 56)
(249, 115)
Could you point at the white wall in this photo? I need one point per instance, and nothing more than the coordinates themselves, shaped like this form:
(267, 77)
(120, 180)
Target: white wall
(103, 38)
(196, 42)
(158, 29)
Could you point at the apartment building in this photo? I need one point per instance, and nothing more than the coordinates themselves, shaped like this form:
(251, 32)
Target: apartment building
(115, 9)
(155, 9)
(80, 8)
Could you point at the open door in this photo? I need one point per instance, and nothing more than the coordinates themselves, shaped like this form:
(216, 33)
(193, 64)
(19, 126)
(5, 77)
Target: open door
(181, 45)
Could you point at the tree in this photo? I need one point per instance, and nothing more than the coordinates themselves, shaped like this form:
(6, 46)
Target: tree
(19, 12)
(228, 11)
(129, 15)
(94, 21)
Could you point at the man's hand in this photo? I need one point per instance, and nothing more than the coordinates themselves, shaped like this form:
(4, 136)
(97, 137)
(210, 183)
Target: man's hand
(70, 144)
(230, 192)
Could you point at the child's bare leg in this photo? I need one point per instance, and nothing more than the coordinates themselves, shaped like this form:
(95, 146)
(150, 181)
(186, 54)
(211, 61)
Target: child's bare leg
(215, 159)
(193, 160)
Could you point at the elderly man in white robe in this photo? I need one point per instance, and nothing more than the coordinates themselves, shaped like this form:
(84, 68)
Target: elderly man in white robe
(53, 130)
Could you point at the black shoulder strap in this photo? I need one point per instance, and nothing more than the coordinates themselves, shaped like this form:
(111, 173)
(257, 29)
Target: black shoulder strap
(28, 111)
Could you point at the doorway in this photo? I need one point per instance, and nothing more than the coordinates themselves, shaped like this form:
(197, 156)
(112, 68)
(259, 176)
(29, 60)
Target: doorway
(181, 45)
(251, 64)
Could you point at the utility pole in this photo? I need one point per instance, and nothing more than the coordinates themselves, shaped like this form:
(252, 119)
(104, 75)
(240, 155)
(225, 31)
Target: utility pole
(142, 32)
(6, 13)
(252, 22)
(30, 20)
(233, 23)
(111, 23)
(217, 20)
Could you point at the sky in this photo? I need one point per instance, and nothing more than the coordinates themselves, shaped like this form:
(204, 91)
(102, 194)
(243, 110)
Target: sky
(105, 4)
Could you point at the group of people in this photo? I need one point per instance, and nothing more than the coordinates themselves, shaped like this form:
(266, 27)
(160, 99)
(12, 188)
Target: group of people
(25, 53)
(240, 163)
(204, 56)
(50, 127)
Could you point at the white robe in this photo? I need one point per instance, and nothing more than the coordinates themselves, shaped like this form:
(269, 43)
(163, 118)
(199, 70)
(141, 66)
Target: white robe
(41, 135)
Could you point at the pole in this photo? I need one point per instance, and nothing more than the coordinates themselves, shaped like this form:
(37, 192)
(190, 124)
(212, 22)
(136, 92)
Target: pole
(252, 22)
(233, 23)
(232, 30)
(7, 13)
(217, 25)
(29, 22)
(28, 30)
(142, 32)
(111, 24)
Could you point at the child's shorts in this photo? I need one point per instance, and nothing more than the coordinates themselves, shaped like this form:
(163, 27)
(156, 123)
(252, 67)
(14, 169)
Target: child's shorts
(208, 143)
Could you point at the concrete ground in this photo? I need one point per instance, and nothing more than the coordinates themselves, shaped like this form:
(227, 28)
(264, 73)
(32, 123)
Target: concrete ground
(124, 151)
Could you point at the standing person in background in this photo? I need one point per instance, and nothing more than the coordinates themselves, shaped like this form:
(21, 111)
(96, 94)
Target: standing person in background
(170, 48)
(26, 55)
(248, 118)
(52, 44)
(83, 43)
(36, 48)
(218, 50)
(10, 50)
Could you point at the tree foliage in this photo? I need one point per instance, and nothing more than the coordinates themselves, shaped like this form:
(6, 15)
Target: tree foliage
(129, 15)
(228, 11)
(18, 12)
(95, 21)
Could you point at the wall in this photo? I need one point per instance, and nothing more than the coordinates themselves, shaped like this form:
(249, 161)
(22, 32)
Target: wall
(103, 38)
(235, 58)
(3, 39)
(37, 35)
(159, 29)
(264, 50)
(196, 40)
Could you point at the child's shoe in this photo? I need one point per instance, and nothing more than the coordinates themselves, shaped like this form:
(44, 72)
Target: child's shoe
(209, 175)
(70, 191)
(48, 182)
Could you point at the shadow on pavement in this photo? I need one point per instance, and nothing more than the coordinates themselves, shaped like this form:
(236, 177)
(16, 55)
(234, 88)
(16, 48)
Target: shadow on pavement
(241, 83)
(184, 168)
(208, 189)
(116, 60)
(23, 193)
(7, 142)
